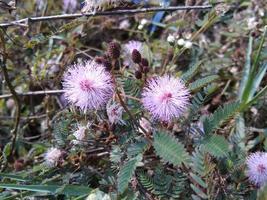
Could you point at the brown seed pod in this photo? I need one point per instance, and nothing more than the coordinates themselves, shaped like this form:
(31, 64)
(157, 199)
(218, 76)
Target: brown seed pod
(138, 74)
(114, 50)
(136, 56)
(144, 62)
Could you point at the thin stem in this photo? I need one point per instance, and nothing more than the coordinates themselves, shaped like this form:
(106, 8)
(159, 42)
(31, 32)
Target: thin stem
(25, 21)
(13, 92)
(33, 93)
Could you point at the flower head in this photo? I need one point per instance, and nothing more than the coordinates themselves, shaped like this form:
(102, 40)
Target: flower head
(94, 5)
(79, 134)
(70, 5)
(257, 168)
(165, 98)
(128, 49)
(88, 86)
(52, 157)
(114, 112)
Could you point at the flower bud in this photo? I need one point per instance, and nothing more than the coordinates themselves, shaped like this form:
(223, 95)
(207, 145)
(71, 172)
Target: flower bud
(114, 50)
(138, 74)
(144, 62)
(107, 64)
(136, 56)
(145, 69)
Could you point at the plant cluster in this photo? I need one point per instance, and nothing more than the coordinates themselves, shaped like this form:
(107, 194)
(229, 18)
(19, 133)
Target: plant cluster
(124, 107)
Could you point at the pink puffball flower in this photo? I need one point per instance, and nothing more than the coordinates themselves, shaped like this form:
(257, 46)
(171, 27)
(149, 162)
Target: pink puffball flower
(128, 49)
(52, 157)
(257, 168)
(114, 112)
(88, 85)
(165, 98)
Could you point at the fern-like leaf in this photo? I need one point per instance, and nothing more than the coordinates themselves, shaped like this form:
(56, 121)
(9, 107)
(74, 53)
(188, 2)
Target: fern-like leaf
(216, 145)
(170, 149)
(221, 115)
(126, 172)
(200, 83)
(191, 72)
(200, 169)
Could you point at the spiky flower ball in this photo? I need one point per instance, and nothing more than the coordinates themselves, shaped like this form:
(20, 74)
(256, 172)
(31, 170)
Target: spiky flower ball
(127, 50)
(166, 98)
(52, 157)
(88, 85)
(257, 168)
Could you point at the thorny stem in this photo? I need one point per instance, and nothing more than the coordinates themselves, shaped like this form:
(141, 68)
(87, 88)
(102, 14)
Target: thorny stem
(25, 21)
(13, 92)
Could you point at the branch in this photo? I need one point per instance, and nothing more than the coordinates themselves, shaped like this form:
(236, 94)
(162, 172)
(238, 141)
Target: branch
(48, 92)
(12, 90)
(25, 21)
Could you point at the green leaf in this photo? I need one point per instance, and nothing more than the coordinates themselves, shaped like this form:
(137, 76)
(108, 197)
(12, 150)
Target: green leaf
(7, 150)
(170, 149)
(200, 83)
(216, 145)
(199, 192)
(191, 72)
(126, 172)
(13, 177)
(246, 70)
(221, 115)
(257, 81)
(72, 190)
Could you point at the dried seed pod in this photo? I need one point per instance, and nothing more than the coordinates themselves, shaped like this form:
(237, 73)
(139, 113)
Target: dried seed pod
(138, 74)
(107, 64)
(114, 50)
(136, 56)
(144, 62)
(145, 69)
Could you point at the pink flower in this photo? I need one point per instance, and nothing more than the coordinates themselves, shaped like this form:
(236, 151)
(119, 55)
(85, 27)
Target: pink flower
(80, 135)
(114, 112)
(70, 5)
(88, 86)
(128, 49)
(257, 168)
(52, 157)
(165, 98)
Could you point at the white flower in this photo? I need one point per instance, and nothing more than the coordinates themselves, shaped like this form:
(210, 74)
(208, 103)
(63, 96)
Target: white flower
(187, 35)
(252, 23)
(181, 42)
(52, 157)
(125, 24)
(171, 39)
(114, 112)
(143, 22)
(188, 44)
(140, 27)
(79, 134)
